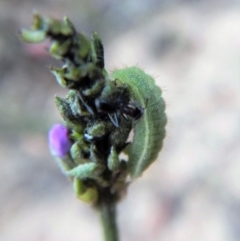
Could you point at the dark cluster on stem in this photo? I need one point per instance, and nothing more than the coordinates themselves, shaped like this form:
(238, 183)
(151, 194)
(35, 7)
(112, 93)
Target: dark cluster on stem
(97, 111)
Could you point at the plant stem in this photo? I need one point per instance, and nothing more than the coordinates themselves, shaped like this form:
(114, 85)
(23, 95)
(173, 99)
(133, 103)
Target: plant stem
(107, 208)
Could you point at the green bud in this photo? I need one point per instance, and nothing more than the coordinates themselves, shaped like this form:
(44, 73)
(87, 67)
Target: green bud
(109, 93)
(38, 22)
(97, 50)
(76, 105)
(113, 160)
(71, 120)
(118, 136)
(75, 135)
(82, 48)
(59, 75)
(86, 171)
(120, 182)
(83, 193)
(64, 109)
(74, 73)
(59, 49)
(80, 152)
(31, 36)
(79, 187)
(90, 196)
(53, 27)
(99, 128)
(67, 27)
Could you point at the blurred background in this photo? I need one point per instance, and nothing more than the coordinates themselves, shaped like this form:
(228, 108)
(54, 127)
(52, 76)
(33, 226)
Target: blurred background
(192, 192)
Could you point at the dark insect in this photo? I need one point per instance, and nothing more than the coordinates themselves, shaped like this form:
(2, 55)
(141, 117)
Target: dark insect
(126, 109)
(132, 110)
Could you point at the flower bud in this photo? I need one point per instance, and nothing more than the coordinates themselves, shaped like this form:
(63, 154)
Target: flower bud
(58, 140)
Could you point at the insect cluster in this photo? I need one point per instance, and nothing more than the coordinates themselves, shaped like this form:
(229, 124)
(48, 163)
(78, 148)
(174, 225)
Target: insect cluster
(100, 111)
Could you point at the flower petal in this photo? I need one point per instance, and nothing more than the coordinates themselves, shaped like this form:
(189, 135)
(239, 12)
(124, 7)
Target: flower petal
(58, 140)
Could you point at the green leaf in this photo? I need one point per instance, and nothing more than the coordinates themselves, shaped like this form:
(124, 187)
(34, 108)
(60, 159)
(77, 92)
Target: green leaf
(149, 131)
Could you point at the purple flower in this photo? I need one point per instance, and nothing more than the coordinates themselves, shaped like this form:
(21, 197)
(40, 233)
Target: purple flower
(58, 140)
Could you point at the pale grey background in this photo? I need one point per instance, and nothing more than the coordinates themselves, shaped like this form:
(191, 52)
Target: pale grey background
(193, 191)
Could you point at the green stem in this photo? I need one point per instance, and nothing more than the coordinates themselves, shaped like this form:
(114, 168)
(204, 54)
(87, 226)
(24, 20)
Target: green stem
(107, 208)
